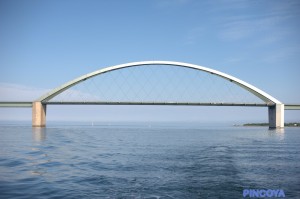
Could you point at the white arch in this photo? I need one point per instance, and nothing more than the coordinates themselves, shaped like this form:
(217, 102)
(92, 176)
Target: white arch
(259, 93)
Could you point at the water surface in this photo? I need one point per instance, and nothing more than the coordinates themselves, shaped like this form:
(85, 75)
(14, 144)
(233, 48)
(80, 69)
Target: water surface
(146, 161)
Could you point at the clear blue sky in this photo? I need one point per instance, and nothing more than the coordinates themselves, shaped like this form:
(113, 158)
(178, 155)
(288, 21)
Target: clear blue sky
(45, 43)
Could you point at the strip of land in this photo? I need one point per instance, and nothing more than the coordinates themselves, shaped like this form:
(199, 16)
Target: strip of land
(292, 124)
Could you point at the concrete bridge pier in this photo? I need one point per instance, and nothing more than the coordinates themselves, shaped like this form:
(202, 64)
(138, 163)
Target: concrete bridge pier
(38, 114)
(276, 116)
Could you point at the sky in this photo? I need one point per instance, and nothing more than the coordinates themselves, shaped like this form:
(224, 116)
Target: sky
(44, 44)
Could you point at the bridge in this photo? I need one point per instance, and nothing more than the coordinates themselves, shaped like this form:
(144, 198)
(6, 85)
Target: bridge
(138, 91)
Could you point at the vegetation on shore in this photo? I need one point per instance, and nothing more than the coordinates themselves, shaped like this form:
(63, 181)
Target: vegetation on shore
(292, 124)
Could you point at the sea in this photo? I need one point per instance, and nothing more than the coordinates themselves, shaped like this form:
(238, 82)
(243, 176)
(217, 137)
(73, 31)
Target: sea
(146, 160)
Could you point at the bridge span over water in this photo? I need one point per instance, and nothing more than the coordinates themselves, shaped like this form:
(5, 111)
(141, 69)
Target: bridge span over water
(275, 107)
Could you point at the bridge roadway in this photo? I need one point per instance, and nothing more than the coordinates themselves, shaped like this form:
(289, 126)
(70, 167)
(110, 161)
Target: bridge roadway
(29, 104)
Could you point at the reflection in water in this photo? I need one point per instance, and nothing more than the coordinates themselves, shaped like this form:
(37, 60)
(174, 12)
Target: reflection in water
(277, 133)
(38, 154)
(38, 134)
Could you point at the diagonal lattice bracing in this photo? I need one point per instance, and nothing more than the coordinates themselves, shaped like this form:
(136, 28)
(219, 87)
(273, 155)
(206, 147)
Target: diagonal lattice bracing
(157, 83)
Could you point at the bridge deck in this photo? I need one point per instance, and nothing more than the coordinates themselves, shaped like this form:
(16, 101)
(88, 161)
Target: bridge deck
(29, 104)
(292, 107)
(15, 104)
(154, 103)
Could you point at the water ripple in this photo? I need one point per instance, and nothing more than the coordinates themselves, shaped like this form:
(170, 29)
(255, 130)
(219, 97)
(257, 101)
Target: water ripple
(156, 162)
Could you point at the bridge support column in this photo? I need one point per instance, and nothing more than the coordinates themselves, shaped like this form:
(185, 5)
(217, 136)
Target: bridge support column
(38, 114)
(276, 116)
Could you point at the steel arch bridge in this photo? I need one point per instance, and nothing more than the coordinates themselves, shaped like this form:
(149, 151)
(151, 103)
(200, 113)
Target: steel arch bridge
(275, 107)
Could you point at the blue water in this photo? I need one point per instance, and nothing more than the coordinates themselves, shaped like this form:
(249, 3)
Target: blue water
(146, 161)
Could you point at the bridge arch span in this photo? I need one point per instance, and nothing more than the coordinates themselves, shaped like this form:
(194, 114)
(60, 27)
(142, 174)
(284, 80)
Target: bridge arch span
(276, 108)
(268, 99)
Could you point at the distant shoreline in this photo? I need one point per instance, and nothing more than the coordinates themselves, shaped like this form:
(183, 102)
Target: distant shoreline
(292, 124)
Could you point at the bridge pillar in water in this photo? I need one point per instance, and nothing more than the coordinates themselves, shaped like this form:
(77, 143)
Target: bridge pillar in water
(38, 114)
(276, 116)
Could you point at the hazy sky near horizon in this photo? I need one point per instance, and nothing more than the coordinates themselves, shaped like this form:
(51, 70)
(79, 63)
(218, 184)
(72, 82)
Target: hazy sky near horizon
(44, 44)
